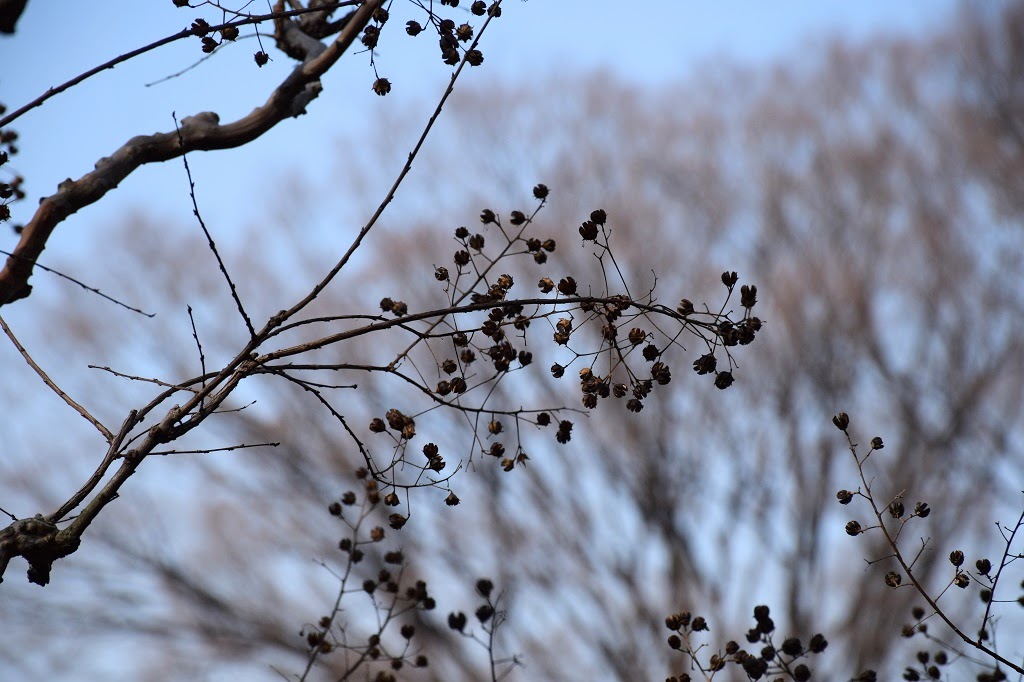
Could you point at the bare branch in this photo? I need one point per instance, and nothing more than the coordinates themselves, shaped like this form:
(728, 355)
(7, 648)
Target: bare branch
(211, 244)
(84, 286)
(200, 132)
(54, 387)
(186, 33)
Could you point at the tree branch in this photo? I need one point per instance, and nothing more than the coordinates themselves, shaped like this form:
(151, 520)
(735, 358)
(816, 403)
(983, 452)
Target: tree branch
(201, 132)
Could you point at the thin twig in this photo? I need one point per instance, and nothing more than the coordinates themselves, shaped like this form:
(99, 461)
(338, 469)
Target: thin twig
(158, 382)
(204, 451)
(185, 33)
(1003, 562)
(85, 286)
(199, 345)
(908, 570)
(201, 132)
(209, 241)
(394, 187)
(54, 387)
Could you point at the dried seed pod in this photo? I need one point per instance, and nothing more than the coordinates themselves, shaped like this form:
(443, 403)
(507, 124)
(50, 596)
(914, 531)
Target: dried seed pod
(457, 621)
(371, 34)
(748, 296)
(724, 380)
(817, 644)
(661, 373)
(706, 364)
(792, 647)
(588, 230)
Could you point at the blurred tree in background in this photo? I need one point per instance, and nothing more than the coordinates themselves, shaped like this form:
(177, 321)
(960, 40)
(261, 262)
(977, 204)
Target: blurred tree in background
(874, 195)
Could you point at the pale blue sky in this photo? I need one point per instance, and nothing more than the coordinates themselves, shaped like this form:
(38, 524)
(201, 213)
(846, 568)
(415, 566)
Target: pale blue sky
(652, 44)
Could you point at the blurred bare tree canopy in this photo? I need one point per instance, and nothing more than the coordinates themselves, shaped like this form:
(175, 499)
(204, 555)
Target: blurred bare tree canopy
(873, 191)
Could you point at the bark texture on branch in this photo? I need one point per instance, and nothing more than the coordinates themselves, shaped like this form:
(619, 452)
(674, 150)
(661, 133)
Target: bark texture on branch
(202, 132)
